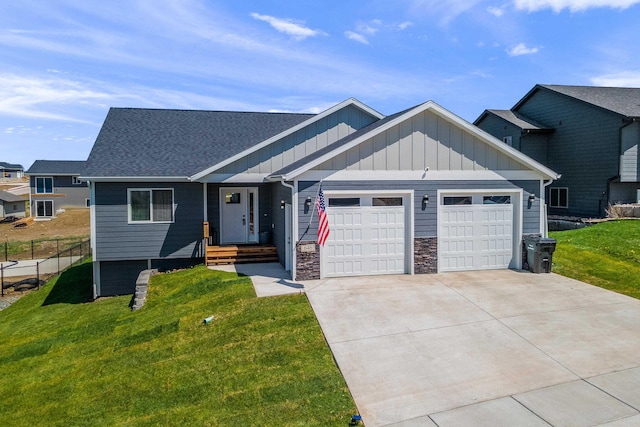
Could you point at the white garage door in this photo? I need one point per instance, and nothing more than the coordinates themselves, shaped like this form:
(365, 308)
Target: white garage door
(365, 240)
(475, 233)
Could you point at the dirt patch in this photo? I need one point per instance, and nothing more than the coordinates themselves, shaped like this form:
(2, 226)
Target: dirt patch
(71, 223)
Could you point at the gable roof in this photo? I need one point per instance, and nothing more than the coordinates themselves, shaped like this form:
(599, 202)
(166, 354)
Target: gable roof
(376, 128)
(5, 165)
(5, 196)
(621, 100)
(146, 143)
(287, 132)
(57, 167)
(515, 118)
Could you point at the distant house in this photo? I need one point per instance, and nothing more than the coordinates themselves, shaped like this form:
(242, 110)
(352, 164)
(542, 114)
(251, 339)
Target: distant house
(55, 185)
(590, 135)
(419, 191)
(12, 205)
(11, 171)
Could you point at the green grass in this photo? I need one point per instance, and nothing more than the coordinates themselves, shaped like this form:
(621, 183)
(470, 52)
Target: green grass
(69, 362)
(605, 255)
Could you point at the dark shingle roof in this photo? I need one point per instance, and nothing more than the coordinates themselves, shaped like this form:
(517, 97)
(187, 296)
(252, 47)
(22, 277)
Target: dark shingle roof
(5, 165)
(621, 100)
(57, 167)
(178, 143)
(5, 196)
(519, 120)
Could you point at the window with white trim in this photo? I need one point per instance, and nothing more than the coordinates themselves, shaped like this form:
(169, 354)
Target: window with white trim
(44, 208)
(76, 180)
(148, 205)
(44, 185)
(508, 140)
(559, 197)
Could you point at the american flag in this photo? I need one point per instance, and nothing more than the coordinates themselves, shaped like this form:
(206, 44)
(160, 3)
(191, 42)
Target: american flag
(323, 221)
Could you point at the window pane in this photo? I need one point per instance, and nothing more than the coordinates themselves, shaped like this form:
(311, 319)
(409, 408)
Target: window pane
(232, 198)
(48, 185)
(162, 205)
(140, 205)
(562, 196)
(344, 202)
(48, 208)
(496, 200)
(386, 201)
(464, 200)
(39, 185)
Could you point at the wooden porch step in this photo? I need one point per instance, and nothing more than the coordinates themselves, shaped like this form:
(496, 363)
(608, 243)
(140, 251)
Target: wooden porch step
(233, 254)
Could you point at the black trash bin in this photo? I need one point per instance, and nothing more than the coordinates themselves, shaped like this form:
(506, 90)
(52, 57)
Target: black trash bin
(539, 253)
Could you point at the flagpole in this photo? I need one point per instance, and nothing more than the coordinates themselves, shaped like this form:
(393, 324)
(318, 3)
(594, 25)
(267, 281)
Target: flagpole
(313, 209)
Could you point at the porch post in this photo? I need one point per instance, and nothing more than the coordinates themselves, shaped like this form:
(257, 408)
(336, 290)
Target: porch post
(206, 202)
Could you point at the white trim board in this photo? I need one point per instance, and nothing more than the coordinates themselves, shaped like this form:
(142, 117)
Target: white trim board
(420, 175)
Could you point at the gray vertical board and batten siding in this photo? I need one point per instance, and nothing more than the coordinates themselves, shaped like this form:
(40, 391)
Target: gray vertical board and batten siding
(117, 240)
(584, 148)
(301, 143)
(425, 220)
(426, 140)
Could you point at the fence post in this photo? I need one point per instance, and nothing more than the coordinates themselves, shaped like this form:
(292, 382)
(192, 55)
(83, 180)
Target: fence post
(6, 250)
(32, 257)
(2, 278)
(38, 273)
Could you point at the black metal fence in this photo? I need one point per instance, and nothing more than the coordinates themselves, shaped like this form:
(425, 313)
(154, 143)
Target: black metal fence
(34, 273)
(37, 249)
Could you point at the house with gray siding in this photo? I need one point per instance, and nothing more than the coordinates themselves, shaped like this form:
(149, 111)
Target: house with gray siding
(590, 135)
(56, 185)
(12, 205)
(419, 191)
(11, 171)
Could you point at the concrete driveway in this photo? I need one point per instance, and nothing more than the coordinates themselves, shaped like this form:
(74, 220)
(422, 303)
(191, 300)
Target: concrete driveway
(484, 348)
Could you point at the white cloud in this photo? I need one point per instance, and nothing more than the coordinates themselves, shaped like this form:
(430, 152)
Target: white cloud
(572, 5)
(522, 49)
(620, 79)
(495, 11)
(295, 29)
(404, 25)
(356, 37)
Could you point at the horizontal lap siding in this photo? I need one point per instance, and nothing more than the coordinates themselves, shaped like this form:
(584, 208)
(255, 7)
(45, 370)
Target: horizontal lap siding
(65, 193)
(118, 240)
(425, 220)
(584, 148)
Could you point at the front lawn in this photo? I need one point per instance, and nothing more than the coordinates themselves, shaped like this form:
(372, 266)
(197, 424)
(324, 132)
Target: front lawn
(69, 362)
(605, 255)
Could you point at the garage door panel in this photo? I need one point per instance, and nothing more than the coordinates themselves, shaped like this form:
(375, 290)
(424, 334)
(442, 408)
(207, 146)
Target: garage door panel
(475, 237)
(365, 241)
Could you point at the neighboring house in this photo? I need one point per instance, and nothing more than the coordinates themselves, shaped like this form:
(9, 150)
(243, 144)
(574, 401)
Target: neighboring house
(12, 205)
(420, 191)
(590, 135)
(11, 171)
(55, 185)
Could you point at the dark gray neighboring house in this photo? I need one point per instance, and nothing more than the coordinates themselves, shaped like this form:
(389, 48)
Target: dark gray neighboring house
(419, 191)
(55, 185)
(590, 135)
(12, 205)
(11, 171)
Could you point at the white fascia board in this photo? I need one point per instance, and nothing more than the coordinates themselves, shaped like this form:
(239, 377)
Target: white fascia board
(430, 105)
(420, 175)
(135, 178)
(239, 178)
(337, 107)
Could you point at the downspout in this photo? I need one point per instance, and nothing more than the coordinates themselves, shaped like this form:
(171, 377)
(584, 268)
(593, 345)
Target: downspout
(294, 225)
(543, 207)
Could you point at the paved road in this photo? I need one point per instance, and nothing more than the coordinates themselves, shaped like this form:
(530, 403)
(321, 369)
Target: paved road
(28, 267)
(493, 348)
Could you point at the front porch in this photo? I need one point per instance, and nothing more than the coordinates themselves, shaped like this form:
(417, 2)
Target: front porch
(234, 254)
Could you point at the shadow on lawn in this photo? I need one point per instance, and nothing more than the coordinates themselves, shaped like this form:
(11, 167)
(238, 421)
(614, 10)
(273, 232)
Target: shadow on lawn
(73, 286)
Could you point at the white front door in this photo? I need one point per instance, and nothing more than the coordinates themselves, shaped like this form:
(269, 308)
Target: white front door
(475, 232)
(238, 215)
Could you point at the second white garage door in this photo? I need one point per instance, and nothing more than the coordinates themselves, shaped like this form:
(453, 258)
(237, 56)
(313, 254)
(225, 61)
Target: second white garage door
(365, 240)
(475, 233)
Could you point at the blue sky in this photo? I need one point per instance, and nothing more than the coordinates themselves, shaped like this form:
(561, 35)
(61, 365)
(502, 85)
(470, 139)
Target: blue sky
(63, 63)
